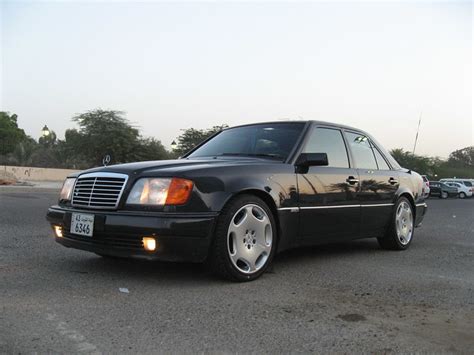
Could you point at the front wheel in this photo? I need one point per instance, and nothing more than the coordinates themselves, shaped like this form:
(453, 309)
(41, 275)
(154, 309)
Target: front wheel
(443, 195)
(462, 195)
(245, 239)
(402, 226)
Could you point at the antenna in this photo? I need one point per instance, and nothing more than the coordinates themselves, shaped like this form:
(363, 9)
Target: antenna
(417, 131)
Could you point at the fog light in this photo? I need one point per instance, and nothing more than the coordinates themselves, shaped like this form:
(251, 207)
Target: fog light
(58, 230)
(149, 243)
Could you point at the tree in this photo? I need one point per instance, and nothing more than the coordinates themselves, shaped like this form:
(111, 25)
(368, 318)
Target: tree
(48, 140)
(420, 164)
(191, 137)
(23, 153)
(462, 157)
(103, 132)
(10, 134)
(457, 165)
(151, 149)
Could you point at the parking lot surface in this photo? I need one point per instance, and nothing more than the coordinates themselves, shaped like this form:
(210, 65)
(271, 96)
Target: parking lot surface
(345, 298)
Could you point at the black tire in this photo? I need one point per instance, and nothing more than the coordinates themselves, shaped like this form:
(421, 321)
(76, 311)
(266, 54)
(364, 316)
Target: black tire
(391, 240)
(444, 195)
(219, 259)
(462, 195)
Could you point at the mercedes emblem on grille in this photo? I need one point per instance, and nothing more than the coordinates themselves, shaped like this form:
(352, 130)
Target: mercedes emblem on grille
(106, 160)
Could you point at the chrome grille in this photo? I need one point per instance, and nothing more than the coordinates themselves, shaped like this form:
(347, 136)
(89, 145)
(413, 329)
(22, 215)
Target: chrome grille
(98, 190)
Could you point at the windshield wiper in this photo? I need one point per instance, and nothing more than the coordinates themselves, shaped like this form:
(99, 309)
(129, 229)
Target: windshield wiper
(263, 155)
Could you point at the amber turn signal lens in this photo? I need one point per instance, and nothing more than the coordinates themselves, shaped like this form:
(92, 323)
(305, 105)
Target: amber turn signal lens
(149, 243)
(179, 191)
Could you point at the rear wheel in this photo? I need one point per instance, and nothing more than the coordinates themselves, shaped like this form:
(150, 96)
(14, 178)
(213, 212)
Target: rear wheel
(400, 232)
(245, 239)
(462, 195)
(443, 195)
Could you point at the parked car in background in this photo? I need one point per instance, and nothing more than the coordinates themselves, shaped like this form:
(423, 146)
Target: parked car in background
(466, 182)
(463, 190)
(442, 190)
(426, 186)
(243, 195)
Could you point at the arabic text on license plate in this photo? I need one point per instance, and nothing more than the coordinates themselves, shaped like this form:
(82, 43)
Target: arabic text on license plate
(82, 224)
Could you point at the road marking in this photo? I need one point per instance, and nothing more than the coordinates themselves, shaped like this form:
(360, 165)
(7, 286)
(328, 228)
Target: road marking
(77, 338)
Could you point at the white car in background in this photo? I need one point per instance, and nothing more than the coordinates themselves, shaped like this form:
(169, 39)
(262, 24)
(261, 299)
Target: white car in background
(426, 186)
(463, 190)
(467, 182)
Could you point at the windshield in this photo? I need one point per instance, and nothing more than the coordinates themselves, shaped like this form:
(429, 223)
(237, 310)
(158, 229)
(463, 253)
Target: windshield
(273, 140)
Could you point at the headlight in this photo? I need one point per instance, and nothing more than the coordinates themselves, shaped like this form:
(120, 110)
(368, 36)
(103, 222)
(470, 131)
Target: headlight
(66, 191)
(160, 191)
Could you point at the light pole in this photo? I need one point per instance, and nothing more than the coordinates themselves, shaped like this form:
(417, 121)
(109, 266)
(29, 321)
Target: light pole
(45, 131)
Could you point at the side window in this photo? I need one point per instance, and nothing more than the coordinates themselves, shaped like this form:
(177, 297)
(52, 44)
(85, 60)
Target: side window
(331, 142)
(380, 160)
(362, 151)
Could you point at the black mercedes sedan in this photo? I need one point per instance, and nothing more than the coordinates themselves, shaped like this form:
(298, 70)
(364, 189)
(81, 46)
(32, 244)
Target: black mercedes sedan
(242, 196)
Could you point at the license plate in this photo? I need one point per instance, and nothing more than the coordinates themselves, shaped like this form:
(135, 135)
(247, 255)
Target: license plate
(82, 224)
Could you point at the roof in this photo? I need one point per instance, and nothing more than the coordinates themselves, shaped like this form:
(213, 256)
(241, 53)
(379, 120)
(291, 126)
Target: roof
(323, 123)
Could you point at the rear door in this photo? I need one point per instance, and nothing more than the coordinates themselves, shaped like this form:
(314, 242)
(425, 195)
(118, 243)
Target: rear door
(329, 209)
(435, 188)
(378, 184)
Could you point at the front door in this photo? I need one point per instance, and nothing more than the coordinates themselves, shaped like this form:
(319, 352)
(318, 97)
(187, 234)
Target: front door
(378, 185)
(329, 208)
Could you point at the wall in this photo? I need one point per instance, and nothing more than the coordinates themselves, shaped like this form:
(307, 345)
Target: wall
(23, 173)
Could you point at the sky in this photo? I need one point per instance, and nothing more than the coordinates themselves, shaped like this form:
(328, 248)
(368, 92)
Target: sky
(171, 66)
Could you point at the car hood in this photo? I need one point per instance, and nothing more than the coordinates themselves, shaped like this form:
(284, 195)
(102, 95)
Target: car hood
(178, 165)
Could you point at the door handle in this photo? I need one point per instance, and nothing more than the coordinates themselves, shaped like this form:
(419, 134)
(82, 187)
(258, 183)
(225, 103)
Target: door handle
(352, 180)
(393, 181)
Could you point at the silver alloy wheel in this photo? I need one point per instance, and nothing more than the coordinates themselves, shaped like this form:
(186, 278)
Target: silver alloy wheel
(444, 194)
(462, 195)
(249, 238)
(404, 222)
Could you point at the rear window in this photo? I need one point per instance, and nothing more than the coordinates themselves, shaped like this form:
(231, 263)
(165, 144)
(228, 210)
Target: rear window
(467, 183)
(361, 151)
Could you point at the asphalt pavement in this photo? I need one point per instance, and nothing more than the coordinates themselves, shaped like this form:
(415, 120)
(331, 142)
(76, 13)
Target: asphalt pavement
(345, 298)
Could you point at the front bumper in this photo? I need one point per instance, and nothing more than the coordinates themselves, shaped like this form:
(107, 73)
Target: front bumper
(179, 237)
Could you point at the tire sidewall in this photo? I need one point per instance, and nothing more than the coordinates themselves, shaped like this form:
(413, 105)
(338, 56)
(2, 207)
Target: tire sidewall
(394, 224)
(222, 235)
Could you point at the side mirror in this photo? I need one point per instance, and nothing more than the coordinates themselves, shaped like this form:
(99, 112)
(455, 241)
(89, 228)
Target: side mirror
(306, 160)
